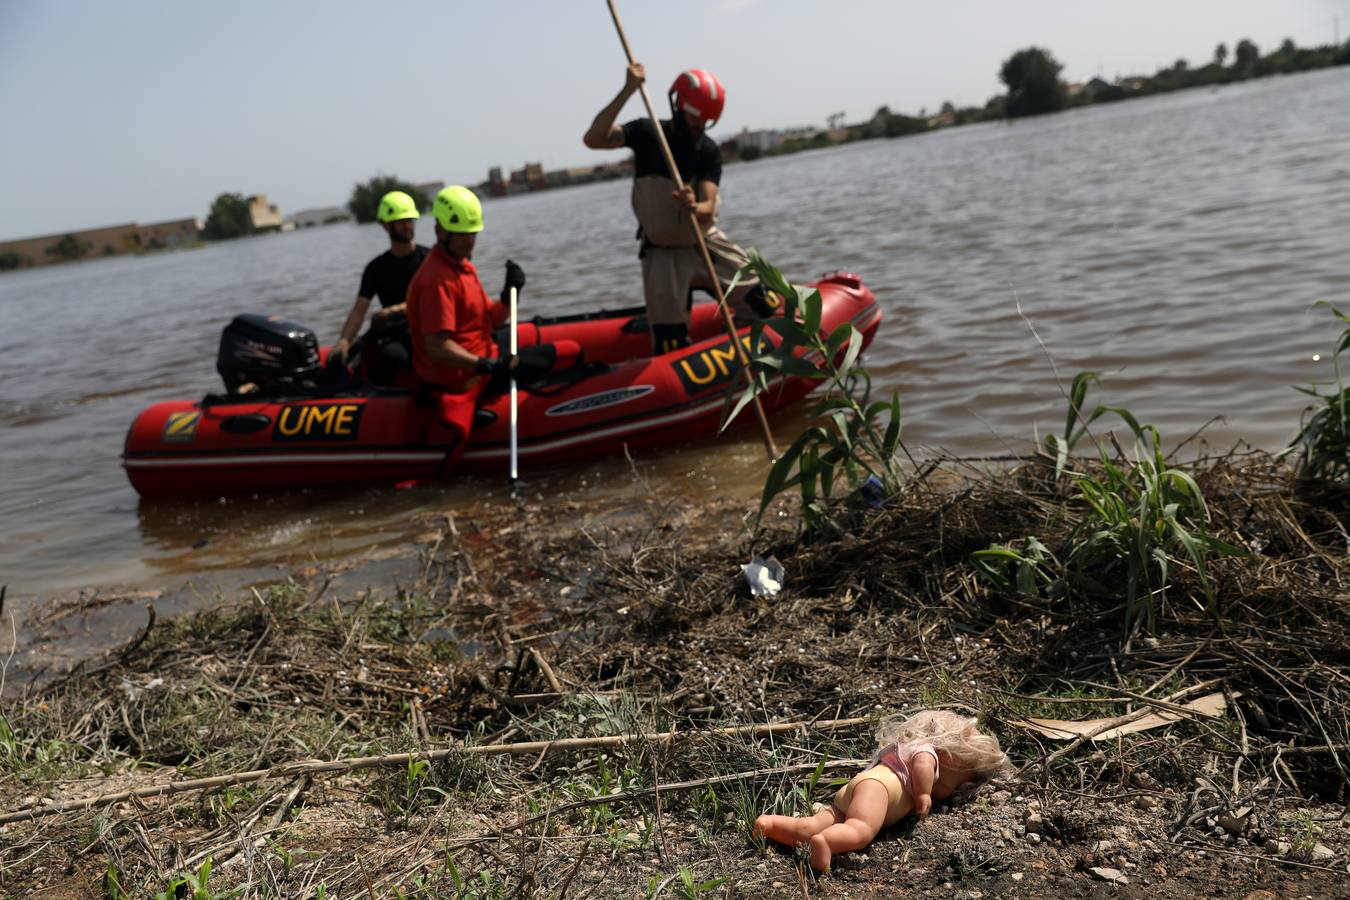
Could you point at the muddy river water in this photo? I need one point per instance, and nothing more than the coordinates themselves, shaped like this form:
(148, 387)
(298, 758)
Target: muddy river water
(1175, 244)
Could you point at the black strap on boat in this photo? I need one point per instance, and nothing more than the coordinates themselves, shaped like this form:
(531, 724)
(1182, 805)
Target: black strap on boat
(283, 392)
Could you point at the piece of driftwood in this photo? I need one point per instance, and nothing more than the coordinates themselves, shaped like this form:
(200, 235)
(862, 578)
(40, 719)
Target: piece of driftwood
(318, 767)
(1209, 706)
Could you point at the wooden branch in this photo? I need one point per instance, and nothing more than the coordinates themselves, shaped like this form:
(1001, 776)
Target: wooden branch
(547, 670)
(318, 767)
(829, 766)
(1045, 761)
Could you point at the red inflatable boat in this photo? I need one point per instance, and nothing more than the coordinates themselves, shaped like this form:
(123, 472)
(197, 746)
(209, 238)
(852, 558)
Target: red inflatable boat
(311, 436)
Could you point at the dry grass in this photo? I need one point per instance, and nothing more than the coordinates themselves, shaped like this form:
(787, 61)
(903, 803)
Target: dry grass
(525, 629)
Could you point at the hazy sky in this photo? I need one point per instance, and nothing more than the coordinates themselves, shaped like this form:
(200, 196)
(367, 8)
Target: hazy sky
(140, 111)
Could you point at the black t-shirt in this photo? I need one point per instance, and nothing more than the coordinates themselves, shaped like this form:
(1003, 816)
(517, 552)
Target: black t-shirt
(698, 160)
(387, 275)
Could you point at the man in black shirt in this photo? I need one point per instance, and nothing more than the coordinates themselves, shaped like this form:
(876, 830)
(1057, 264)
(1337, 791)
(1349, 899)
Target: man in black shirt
(386, 277)
(671, 263)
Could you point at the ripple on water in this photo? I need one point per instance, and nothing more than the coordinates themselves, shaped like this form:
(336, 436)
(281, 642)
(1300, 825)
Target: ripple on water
(1173, 243)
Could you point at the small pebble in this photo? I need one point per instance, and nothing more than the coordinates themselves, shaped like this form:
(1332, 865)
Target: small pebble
(1114, 876)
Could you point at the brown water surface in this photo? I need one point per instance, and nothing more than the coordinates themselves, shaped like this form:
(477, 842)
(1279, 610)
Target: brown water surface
(1174, 244)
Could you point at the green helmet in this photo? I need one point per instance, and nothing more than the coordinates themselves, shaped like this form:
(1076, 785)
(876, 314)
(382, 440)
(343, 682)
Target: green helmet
(458, 209)
(396, 206)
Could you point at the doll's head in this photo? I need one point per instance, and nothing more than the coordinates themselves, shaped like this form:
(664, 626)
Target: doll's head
(957, 738)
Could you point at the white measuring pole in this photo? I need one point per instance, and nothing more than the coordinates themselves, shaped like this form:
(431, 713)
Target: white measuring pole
(515, 425)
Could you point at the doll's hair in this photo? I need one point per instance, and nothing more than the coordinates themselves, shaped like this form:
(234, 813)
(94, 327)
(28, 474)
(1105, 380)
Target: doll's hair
(952, 734)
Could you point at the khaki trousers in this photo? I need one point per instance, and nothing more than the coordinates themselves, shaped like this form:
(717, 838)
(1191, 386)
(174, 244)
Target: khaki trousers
(668, 274)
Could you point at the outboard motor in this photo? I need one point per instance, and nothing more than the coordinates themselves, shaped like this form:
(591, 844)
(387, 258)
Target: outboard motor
(266, 349)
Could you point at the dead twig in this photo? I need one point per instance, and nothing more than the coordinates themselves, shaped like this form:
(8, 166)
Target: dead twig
(317, 767)
(624, 796)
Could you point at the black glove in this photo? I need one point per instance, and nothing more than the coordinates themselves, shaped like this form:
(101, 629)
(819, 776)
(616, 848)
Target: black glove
(498, 367)
(515, 278)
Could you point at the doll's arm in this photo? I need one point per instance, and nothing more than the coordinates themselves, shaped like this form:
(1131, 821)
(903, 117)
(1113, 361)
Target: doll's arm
(922, 774)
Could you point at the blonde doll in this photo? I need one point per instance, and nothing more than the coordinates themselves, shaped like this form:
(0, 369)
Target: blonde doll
(922, 756)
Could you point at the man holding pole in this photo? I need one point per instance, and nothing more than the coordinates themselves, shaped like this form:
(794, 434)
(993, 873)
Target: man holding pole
(672, 262)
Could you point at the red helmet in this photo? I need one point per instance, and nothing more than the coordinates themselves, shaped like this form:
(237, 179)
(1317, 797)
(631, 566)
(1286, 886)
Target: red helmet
(699, 93)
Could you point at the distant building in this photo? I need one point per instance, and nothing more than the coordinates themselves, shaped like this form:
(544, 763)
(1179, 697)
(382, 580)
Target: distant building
(533, 177)
(496, 184)
(1091, 86)
(1131, 82)
(530, 178)
(171, 233)
(763, 139)
(88, 243)
(327, 215)
(263, 215)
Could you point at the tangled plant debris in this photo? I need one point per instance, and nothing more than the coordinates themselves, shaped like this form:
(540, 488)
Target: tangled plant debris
(528, 630)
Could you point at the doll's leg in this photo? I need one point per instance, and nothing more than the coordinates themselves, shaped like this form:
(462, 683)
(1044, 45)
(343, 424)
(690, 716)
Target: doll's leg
(793, 830)
(866, 811)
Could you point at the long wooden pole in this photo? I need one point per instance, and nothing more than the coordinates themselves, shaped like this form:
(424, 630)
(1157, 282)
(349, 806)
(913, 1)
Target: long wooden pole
(319, 767)
(730, 326)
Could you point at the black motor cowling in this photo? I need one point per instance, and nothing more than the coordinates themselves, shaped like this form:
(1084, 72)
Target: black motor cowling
(265, 349)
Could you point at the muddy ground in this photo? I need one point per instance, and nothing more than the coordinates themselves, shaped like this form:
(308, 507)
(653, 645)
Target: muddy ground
(543, 624)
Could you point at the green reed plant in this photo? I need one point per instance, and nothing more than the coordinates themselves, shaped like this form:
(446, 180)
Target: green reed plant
(1026, 572)
(851, 437)
(112, 884)
(1323, 440)
(1141, 518)
(484, 887)
(1077, 420)
(196, 886)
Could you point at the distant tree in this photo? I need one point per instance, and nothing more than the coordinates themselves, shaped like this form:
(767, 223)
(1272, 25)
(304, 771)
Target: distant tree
(365, 199)
(751, 152)
(9, 261)
(1180, 66)
(1032, 77)
(885, 123)
(1220, 54)
(899, 125)
(1245, 57)
(947, 107)
(69, 247)
(228, 218)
